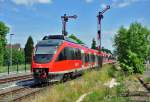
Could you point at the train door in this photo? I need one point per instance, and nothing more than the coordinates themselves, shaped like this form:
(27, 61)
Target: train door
(90, 60)
(100, 61)
(96, 60)
(83, 58)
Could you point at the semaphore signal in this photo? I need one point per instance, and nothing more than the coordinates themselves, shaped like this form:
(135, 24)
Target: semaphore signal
(65, 19)
(100, 17)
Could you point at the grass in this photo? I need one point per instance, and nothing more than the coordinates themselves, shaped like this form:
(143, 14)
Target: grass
(21, 67)
(92, 81)
(147, 80)
(106, 94)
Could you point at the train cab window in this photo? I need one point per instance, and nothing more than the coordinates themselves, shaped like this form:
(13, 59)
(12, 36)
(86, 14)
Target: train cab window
(44, 54)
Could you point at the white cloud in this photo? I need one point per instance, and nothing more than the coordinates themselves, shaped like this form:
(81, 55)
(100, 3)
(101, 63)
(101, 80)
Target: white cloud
(31, 2)
(89, 1)
(122, 3)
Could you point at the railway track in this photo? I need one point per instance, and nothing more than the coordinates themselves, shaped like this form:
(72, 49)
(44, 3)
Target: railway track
(136, 93)
(17, 94)
(138, 96)
(15, 78)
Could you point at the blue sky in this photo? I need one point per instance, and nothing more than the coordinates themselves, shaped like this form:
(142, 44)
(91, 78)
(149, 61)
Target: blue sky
(42, 17)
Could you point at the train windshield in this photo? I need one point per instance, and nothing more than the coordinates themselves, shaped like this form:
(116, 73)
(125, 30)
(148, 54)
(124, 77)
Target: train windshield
(45, 50)
(44, 54)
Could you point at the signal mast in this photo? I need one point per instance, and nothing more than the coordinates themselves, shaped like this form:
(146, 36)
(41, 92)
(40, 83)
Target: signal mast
(65, 19)
(100, 17)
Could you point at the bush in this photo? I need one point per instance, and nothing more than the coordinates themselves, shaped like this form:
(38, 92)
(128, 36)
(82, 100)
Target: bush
(132, 47)
(133, 63)
(17, 56)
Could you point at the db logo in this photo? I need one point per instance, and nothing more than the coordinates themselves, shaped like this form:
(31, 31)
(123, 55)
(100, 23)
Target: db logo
(76, 64)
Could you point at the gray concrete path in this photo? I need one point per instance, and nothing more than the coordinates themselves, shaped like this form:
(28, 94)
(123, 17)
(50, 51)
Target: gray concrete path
(13, 74)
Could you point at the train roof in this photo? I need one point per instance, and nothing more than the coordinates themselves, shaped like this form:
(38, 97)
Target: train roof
(51, 42)
(61, 37)
(56, 40)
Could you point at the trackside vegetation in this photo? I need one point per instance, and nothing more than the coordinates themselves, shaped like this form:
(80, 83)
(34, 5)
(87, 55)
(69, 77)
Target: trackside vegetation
(13, 68)
(91, 82)
(72, 36)
(28, 49)
(19, 57)
(93, 45)
(4, 29)
(132, 47)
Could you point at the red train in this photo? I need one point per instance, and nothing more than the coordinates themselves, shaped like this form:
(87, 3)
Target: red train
(57, 57)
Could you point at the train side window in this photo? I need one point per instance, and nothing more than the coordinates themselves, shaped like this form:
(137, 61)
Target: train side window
(89, 57)
(72, 54)
(93, 58)
(62, 55)
(79, 54)
(75, 54)
(86, 60)
(96, 58)
(68, 53)
(83, 58)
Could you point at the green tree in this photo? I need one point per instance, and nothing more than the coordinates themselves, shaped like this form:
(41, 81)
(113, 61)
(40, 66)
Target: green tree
(132, 47)
(93, 46)
(28, 50)
(18, 56)
(3, 31)
(106, 50)
(72, 36)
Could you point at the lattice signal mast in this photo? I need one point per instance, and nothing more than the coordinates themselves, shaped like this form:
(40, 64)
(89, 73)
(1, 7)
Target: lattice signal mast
(100, 17)
(65, 19)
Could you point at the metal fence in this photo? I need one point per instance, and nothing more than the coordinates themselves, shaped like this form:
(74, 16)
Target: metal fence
(15, 66)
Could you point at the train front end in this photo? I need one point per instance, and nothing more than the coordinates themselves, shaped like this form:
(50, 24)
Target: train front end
(42, 59)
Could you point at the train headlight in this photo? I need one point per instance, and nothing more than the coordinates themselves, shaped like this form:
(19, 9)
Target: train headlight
(37, 70)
